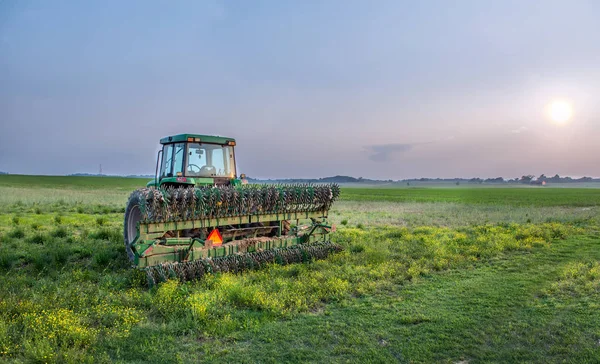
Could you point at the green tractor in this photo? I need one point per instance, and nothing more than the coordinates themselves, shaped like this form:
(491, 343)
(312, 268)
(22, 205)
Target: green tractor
(197, 216)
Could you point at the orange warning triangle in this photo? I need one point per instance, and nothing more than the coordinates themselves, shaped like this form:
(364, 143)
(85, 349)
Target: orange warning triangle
(216, 237)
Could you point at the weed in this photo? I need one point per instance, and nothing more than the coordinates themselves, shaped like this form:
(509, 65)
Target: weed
(59, 254)
(357, 248)
(61, 327)
(107, 234)
(60, 232)
(40, 261)
(83, 252)
(17, 233)
(37, 238)
(7, 259)
(102, 258)
(578, 279)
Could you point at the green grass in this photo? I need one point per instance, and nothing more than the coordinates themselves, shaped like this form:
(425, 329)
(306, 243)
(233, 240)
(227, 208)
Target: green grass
(73, 183)
(413, 214)
(526, 196)
(500, 275)
(495, 312)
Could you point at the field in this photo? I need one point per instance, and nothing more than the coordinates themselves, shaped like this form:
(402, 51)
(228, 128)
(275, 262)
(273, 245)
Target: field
(427, 275)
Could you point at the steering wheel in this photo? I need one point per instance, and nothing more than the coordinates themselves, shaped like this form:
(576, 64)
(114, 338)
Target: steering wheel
(190, 169)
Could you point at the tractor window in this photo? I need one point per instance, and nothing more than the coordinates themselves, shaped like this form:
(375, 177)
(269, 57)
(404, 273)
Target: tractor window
(167, 160)
(178, 156)
(210, 160)
(172, 162)
(220, 162)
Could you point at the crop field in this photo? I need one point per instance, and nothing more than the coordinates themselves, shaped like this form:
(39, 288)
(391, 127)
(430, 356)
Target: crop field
(427, 275)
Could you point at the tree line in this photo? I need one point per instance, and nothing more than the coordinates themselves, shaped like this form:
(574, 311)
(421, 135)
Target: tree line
(531, 178)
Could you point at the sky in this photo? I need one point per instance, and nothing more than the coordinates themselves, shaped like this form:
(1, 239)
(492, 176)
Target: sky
(374, 89)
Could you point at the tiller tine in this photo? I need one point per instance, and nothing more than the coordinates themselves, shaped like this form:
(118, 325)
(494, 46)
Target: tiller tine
(187, 271)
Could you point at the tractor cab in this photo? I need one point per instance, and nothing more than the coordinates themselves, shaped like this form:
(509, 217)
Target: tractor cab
(192, 159)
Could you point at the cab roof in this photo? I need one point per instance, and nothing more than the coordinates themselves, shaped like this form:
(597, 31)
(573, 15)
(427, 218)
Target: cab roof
(203, 139)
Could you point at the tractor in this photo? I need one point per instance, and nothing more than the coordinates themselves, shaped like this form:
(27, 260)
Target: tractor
(198, 216)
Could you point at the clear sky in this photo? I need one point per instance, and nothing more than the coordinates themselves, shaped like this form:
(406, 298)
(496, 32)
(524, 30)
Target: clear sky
(378, 89)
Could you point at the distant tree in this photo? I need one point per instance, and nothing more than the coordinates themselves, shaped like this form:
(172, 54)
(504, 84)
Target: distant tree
(554, 179)
(542, 177)
(457, 183)
(339, 179)
(527, 179)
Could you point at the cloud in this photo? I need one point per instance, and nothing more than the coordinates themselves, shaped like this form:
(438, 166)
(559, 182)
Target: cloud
(519, 130)
(384, 152)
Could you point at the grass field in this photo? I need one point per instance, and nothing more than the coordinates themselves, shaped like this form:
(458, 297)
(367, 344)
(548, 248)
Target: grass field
(427, 275)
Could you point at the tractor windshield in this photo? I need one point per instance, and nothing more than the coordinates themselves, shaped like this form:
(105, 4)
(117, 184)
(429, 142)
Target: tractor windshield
(210, 160)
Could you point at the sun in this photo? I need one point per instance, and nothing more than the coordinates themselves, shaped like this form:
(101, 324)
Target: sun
(560, 111)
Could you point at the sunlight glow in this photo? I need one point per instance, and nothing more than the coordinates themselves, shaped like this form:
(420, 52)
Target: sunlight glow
(560, 111)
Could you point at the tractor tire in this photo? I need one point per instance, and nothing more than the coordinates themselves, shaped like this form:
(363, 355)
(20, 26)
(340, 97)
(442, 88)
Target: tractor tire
(133, 215)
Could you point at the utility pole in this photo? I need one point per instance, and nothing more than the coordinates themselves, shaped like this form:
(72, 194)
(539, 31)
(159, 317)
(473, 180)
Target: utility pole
(101, 168)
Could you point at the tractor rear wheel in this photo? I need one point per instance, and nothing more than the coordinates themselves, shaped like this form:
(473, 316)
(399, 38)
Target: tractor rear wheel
(133, 215)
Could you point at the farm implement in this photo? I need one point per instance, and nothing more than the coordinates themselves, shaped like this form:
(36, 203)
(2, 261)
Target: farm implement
(197, 217)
